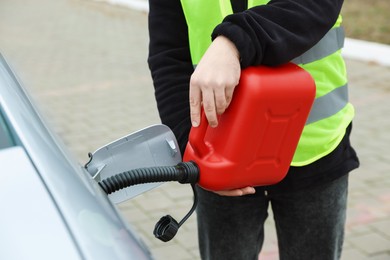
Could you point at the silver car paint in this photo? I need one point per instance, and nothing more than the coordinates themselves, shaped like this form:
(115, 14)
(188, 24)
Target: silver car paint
(28, 213)
(97, 230)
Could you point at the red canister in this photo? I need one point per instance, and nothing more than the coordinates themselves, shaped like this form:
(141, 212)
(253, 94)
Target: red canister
(257, 135)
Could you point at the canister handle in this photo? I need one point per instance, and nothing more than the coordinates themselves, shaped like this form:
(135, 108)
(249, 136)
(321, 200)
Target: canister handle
(197, 135)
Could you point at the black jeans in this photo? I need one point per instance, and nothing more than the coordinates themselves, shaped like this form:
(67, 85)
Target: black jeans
(309, 223)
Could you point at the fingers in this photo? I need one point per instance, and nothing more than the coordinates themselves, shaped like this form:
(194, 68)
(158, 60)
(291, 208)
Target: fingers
(212, 98)
(229, 95)
(237, 192)
(215, 100)
(220, 100)
(209, 106)
(195, 105)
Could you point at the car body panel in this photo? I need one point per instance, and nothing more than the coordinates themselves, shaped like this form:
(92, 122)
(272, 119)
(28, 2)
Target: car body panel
(93, 222)
(29, 215)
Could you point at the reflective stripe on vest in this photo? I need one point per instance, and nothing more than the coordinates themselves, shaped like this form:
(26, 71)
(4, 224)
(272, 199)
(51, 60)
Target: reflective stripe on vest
(329, 104)
(331, 112)
(330, 43)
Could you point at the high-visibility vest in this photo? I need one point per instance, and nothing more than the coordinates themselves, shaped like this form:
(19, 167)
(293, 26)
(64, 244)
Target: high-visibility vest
(331, 112)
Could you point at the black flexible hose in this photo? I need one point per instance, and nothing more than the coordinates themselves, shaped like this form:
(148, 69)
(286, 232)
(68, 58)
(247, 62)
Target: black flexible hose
(184, 172)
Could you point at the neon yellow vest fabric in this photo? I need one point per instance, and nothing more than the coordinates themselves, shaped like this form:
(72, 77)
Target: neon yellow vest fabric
(331, 112)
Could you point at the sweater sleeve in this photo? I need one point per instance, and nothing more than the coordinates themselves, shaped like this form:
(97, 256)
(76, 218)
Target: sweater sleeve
(170, 65)
(276, 33)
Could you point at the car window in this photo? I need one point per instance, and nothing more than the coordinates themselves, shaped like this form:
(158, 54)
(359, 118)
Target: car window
(6, 139)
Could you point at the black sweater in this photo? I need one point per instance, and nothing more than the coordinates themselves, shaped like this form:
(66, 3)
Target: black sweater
(270, 34)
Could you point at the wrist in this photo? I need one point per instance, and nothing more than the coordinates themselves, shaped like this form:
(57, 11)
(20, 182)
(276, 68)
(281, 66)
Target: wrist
(221, 39)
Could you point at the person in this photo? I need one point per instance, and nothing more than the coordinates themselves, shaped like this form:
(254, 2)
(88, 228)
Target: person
(197, 50)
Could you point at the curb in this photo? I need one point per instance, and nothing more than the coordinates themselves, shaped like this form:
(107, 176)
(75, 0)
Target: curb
(138, 5)
(367, 51)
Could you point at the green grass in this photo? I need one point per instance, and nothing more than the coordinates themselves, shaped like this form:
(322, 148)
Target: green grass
(367, 20)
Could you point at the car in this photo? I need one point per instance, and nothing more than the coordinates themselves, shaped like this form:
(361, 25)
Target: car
(51, 206)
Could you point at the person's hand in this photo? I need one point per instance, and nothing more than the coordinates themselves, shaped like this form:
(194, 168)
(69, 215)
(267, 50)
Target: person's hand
(237, 192)
(213, 81)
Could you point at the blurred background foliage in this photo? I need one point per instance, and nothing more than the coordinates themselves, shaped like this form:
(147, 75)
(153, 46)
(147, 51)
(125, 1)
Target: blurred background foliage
(367, 20)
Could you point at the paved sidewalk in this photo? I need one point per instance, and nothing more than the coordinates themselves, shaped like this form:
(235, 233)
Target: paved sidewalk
(85, 64)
